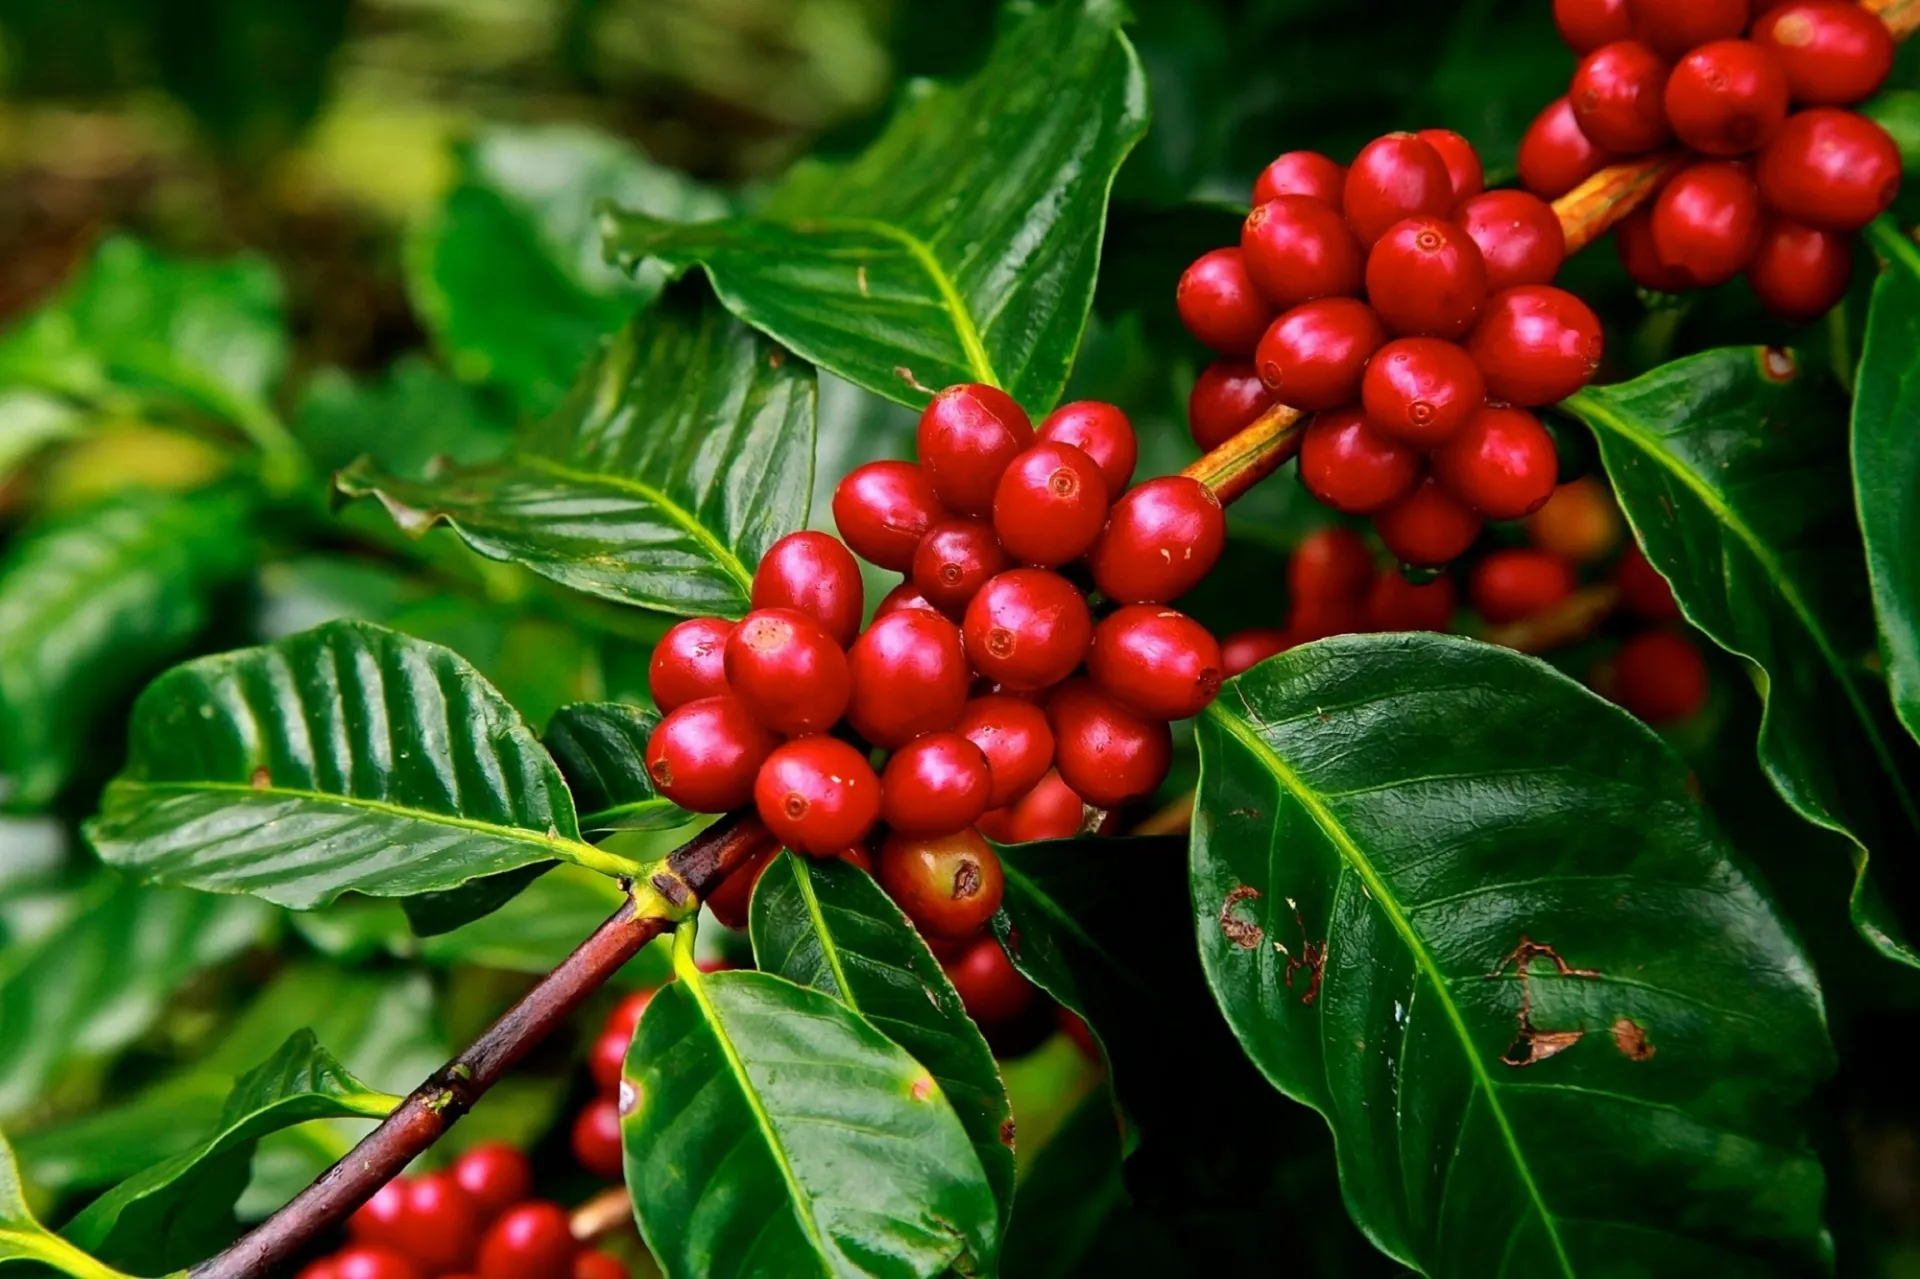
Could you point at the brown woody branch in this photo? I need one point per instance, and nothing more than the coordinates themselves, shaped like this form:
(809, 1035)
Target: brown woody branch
(688, 875)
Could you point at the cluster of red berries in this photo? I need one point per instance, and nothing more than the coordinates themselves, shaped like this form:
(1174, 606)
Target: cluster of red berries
(969, 674)
(1757, 89)
(596, 1129)
(475, 1220)
(1413, 314)
(1336, 588)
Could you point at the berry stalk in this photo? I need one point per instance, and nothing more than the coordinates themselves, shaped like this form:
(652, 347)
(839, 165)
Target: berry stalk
(1901, 16)
(1252, 455)
(688, 874)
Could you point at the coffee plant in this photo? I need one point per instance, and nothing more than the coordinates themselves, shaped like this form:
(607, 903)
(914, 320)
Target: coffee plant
(1154, 661)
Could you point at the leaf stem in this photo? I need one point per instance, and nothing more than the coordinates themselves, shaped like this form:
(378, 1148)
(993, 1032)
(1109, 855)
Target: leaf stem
(654, 905)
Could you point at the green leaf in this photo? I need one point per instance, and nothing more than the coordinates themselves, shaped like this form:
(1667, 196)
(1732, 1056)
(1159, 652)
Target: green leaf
(30, 420)
(1732, 468)
(1886, 462)
(827, 925)
(683, 453)
(601, 750)
(1474, 916)
(413, 415)
(962, 246)
(92, 604)
(773, 1131)
(1069, 1195)
(22, 1238)
(177, 1212)
(345, 759)
(99, 978)
(508, 274)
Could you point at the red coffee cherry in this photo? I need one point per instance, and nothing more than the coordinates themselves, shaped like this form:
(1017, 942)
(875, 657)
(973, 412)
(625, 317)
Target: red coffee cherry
(1834, 53)
(1243, 650)
(883, 509)
(787, 672)
(1331, 565)
(1707, 222)
(1642, 589)
(1671, 27)
(1502, 463)
(1633, 241)
(935, 784)
(1051, 810)
(910, 677)
(626, 1014)
(596, 1138)
(1395, 604)
(1297, 249)
(1462, 161)
(954, 561)
(1419, 391)
(1519, 237)
(967, 435)
(1351, 467)
(1536, 345)
(1155, 662)
(1014, 736)
(1617, 96)
(1106, 753)
(374, 1261)
(443, 1225)
(904, 596)
(689, 663)
(1426, 278)
(1587, 24)
(321, 1269)
(1800, 273)
(1395, 177)
(1161, 539)
(607, 1058)
(1312, 357)
(382, 1219)
(817, 795)
(1830, 169)
(1050, 505)
(731, 902)
(495, 1175)
(813, 573)
(1305, 173)
(1227, 396)
(1428, 527)
(1660, 677)
(1579, 522)
(948, 885)
(991, 989)
(531, 1241)
(594, 1264)
(1555, 156)
(1027, 629)
(1512, 584)
(1103, 433)
(1726, 98)
(704, 756)
(1220, 305)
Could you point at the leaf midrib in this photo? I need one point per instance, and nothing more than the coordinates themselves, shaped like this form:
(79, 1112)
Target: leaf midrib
(1389, 904)
(573, 850)
(1595, 410)
(829, 948)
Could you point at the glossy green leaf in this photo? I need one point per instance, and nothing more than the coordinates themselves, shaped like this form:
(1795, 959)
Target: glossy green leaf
(1732, 468)
(177, 1212)
(508, 273)
(102, 972)
(601, 749)
(345, 759)
(1886, 462)
(1474, 915)
(683, 453)
(773, 1131)
(92, 604)
(827, 925)
(404, 421)
(962, 245)
(22, 1238)
(29, 421)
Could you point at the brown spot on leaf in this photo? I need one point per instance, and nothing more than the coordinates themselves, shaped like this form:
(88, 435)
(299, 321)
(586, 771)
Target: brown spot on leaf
(1531, 1046)
(923, 1088)
(1779, 365)
(1630, 1037)
(776, 357)
(905, 374)
(261, 778)
(1006, 1133)
(1243, 933)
